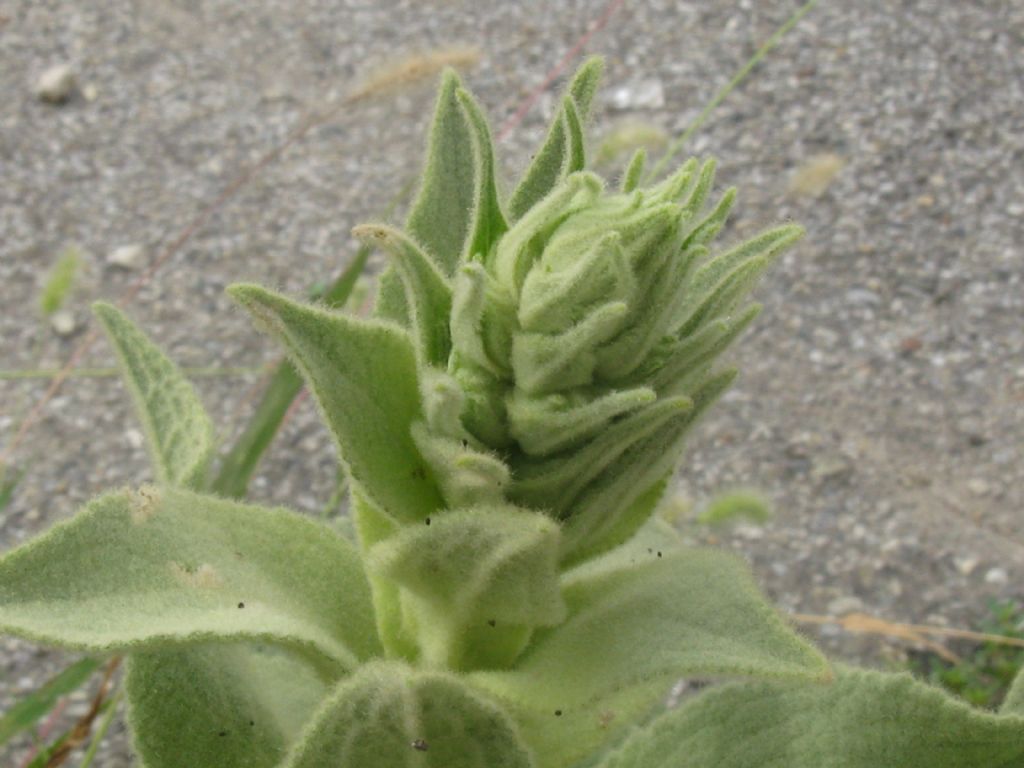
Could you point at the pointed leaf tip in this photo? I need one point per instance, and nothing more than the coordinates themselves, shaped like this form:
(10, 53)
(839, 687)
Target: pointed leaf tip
(178, 430)
(427, 292)
(364, 376)
(441, 215)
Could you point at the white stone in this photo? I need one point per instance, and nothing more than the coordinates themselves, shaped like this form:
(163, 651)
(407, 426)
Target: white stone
(862, 296)
(966, 565)
(996, 576)
(63, 322)
(977, 486)
(645, 94)
(56, 84)
(134, 438)
(126, 256)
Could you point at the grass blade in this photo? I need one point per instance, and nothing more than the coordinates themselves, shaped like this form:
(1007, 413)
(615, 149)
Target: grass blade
(39, 702)
(728, 88)
(108, 718)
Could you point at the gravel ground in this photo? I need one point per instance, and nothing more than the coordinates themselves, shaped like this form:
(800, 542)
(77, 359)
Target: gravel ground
(881, 405)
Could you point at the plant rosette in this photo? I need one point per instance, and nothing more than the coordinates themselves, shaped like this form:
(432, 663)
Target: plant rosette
(509, 420)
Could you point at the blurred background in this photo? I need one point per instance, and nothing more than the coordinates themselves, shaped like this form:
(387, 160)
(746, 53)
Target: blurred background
(154, 151)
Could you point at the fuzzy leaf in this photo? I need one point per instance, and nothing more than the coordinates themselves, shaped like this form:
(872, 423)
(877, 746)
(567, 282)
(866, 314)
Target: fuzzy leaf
(162, 567)
(723, 280)
(178, 431)
(545, 425)
(441, 215)
(488, 222)
(546, 362)
(466, 476)
(1013, 704)
(390, 716)
(631, 632)
(517, 252)
(612, 508)
(373, 526)
(427, 292)
(483, 568)
(701, 348)
(555, 483)
(708, 228)
(562, 151)
(219, 705)
(364, 376)
(634, 171)
(862, 720)
(239, 464)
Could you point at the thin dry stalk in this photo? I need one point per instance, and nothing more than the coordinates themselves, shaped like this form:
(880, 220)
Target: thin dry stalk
(918, 634)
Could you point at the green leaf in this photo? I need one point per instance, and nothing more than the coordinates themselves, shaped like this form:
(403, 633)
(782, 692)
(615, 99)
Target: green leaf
(466, 476)
(635, 626)
(634, 171)
(723, 280)
(555, 483)
(442, 214)
(363, 375)
(545, 425)
(390, 716)
(655, 535)
(373, 526)
(732, 505)
(27, 711)
(428, 293)
(238, 465)
(701, 348)
(481, 569)
(862, 720)
(562, 152)
(1013, 704)
(60, 281)
(223, 705)
(56, 751)
(162, 567)
(488, 222)
(178, 431)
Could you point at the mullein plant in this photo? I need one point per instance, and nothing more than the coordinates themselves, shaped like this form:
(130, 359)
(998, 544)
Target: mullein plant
(508, 598)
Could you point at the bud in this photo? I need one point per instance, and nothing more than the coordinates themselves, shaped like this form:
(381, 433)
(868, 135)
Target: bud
(563, 355)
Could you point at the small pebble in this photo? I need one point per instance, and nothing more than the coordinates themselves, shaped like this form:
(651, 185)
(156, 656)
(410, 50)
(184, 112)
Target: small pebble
(56, 84)
(977, 486)
(966, 565)
(63, 322)
(862, 297)
(134, 437)
(646, 94)
(126, 257)
(996, 576)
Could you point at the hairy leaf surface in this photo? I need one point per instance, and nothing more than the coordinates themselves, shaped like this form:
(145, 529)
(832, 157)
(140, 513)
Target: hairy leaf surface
(178, 431)
(1013, 704)
(441, 215)
(476, 572)
(390, 716)
(862, 720)
(163, 567)
(364, 376)
(631, 632)
(219, 705)
(562, 152)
